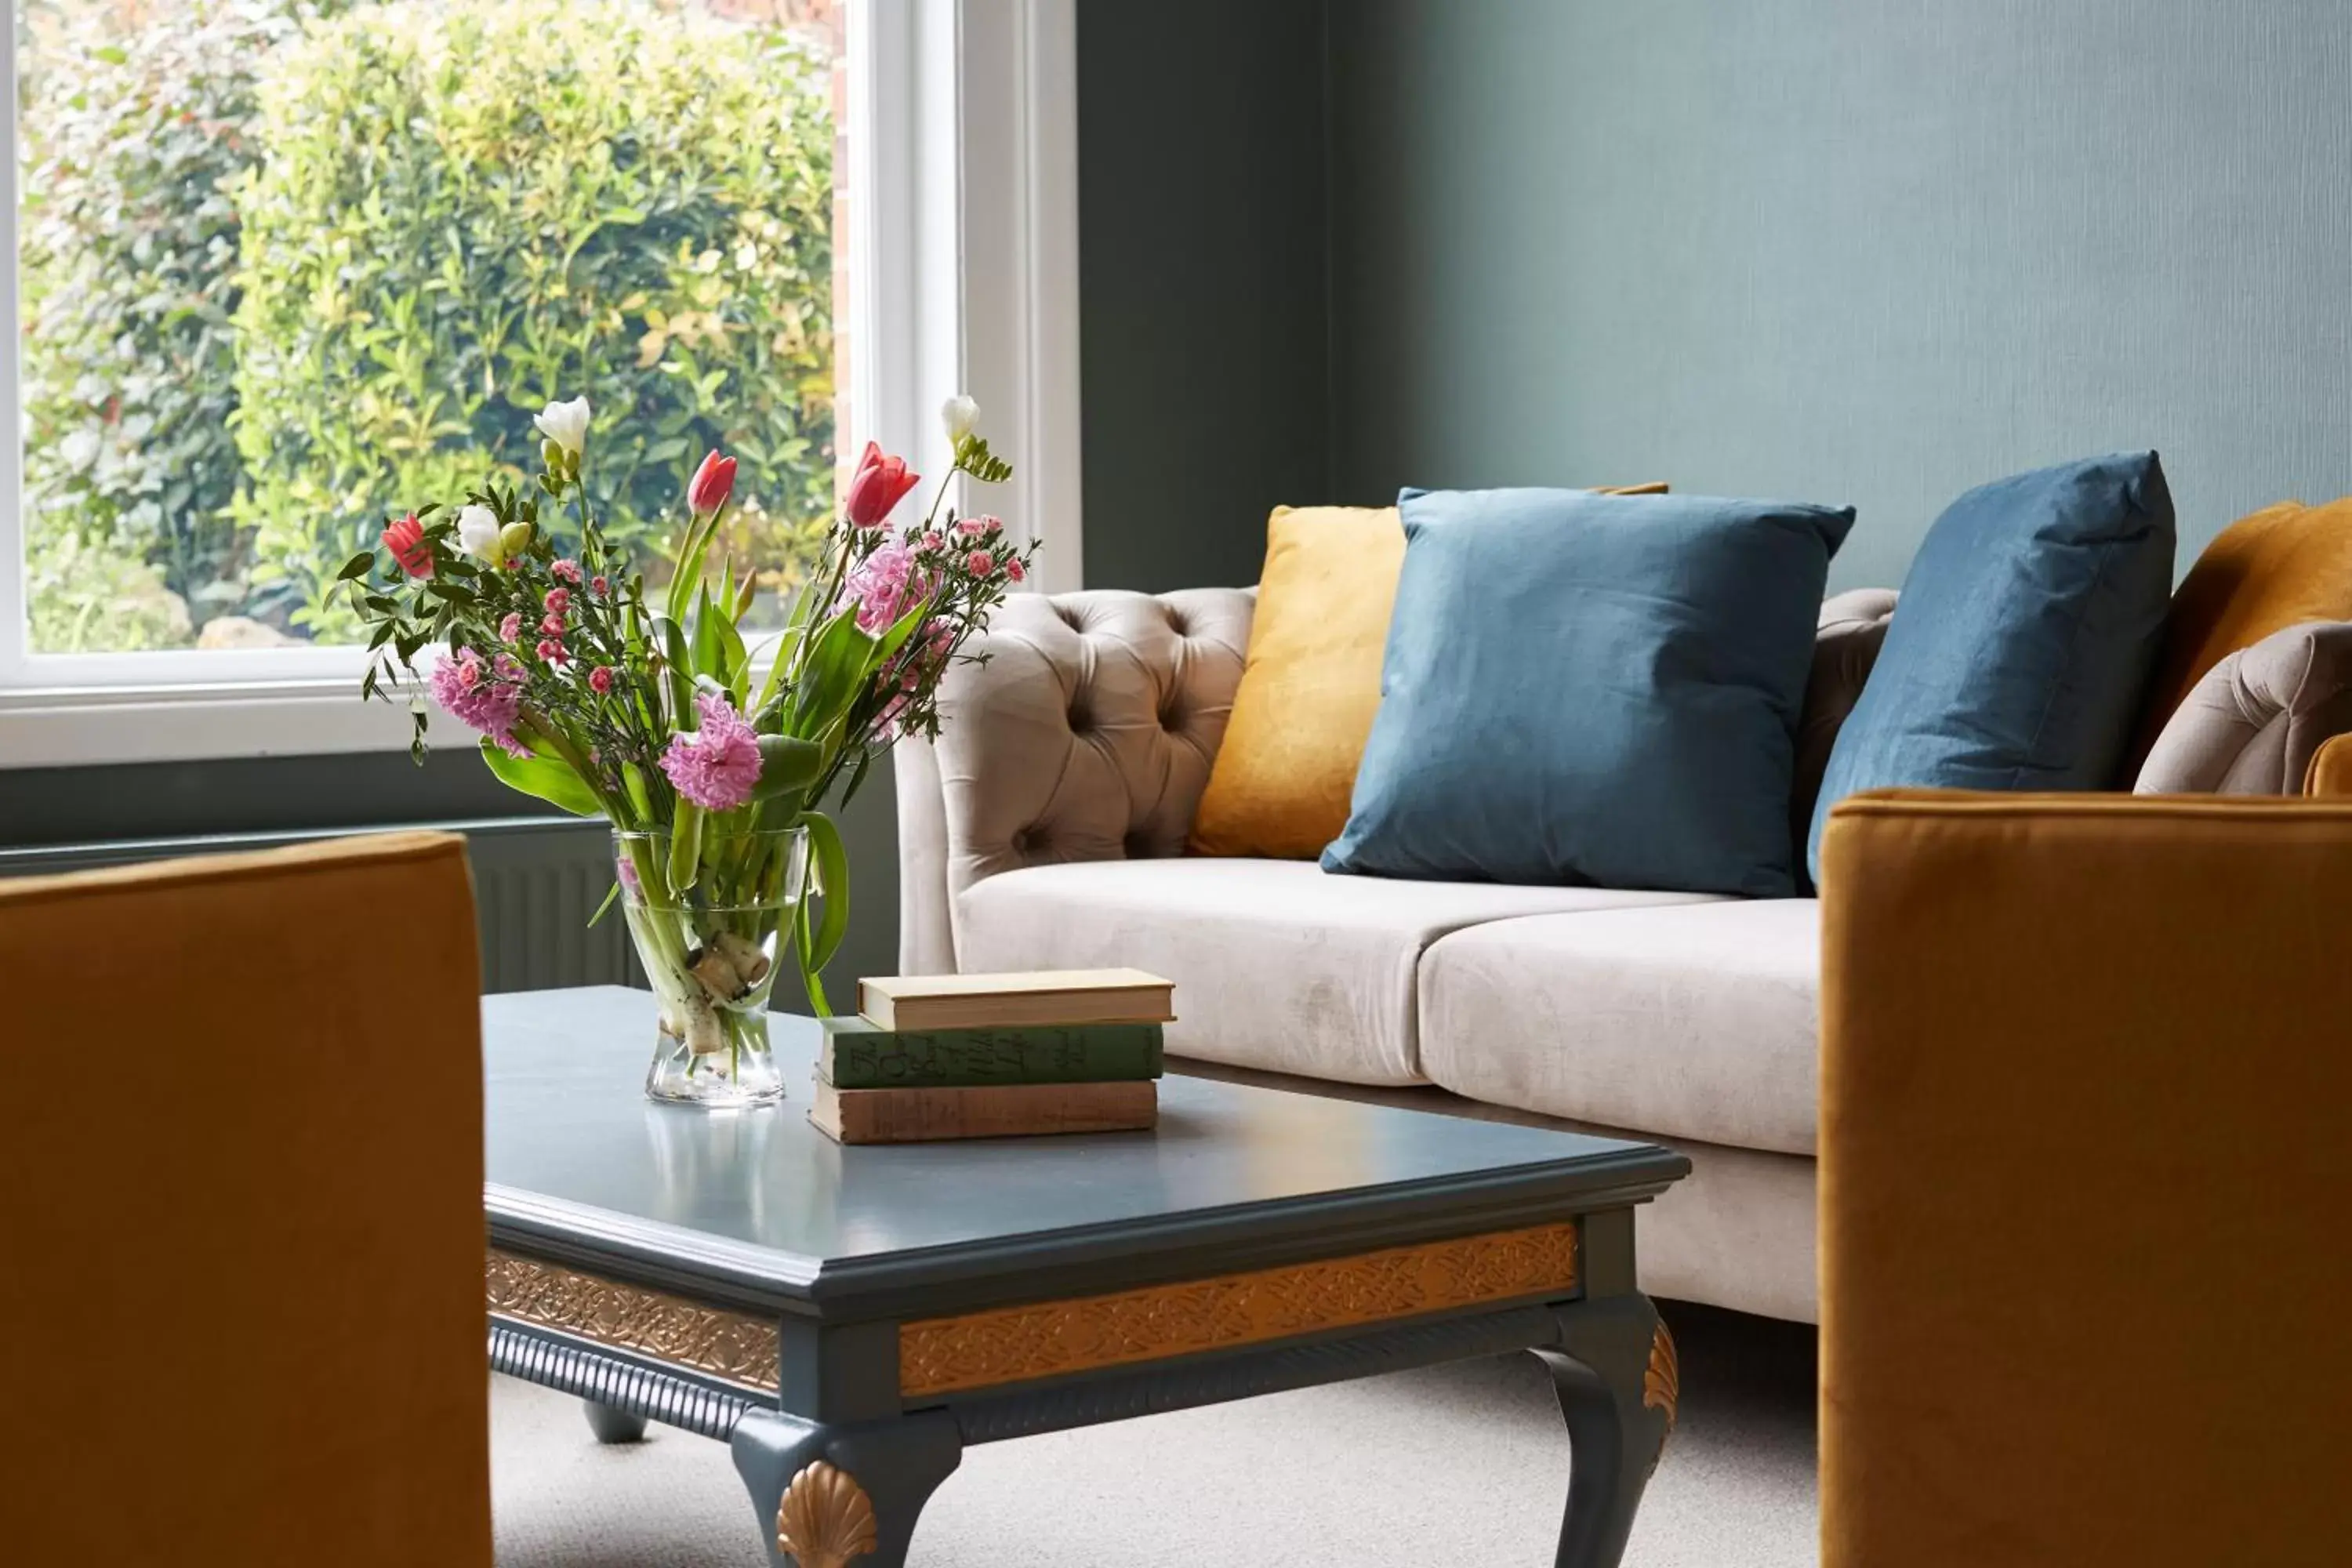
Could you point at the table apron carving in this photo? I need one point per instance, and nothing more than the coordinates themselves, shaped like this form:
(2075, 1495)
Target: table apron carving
(1052, 1338)
(735, 1347)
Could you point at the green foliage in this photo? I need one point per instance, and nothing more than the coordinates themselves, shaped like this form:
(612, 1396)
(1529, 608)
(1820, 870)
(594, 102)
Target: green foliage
(128, 250)
(460, 211)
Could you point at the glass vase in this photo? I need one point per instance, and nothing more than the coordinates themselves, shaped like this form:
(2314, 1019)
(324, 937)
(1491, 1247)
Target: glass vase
(711, 950)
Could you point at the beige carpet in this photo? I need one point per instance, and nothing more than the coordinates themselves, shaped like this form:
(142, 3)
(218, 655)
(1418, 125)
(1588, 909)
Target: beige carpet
(1459, 1464)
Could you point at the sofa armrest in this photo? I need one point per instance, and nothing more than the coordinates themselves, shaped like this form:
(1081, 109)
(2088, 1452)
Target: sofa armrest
(2331, 769)
(1085, 733)
(2256, 721)
(2085, 1065)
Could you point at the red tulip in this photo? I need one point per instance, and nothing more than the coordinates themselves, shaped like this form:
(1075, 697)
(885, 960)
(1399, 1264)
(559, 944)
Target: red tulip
(405, 540)
(880, 484)
(711, 485)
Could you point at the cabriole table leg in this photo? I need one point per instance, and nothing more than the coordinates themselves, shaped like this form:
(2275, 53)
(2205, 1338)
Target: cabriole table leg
(828, 1495)
(1615, 1372)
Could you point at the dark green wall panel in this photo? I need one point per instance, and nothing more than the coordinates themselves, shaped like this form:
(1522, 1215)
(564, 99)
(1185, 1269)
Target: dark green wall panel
(1202, 291)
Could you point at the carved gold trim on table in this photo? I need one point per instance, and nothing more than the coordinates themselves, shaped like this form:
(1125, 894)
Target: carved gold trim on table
(1662, 1381)
(1011, 1344)
(826, 1517)
(735, 1346)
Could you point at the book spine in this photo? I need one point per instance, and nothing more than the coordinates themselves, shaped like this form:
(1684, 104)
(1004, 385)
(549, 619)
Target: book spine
(993, 1111)
(859, 1056)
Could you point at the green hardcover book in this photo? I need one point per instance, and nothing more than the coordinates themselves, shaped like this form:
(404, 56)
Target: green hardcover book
(861, 1055)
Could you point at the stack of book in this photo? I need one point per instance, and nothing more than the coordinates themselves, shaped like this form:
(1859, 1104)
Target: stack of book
(994, 1055)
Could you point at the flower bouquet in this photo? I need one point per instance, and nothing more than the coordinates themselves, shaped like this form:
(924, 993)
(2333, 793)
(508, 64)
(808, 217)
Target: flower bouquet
(714, 759)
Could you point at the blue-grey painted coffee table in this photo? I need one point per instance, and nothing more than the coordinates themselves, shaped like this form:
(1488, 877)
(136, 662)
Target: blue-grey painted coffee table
(850, 1318)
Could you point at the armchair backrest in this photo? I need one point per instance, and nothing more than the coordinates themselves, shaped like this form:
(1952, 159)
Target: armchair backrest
(240, 1210)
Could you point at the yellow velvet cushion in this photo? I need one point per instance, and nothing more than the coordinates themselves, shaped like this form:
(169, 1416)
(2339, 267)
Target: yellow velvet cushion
(1310, 682)
(2264, 572)
(1309, 687)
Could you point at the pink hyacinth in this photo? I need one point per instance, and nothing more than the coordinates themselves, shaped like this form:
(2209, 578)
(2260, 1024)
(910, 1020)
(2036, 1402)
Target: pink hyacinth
(628, 872)
(885, 587)
(510, 629)
(507, 665)
(716, 766)
(491, 706)
(567, 570)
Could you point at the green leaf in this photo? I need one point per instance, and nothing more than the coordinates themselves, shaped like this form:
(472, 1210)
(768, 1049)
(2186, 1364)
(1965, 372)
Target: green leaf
(357, 566)
(549, 778)
(835, 672)
(684, 848)
(786, 763)
(611, 893)
(817, 944)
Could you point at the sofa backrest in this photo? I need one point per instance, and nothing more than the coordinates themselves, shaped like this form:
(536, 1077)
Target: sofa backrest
(1088, 732)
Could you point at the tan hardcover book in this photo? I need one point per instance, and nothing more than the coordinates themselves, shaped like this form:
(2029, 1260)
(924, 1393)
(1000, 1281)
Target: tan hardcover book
(917, 1002)
(988, 1111)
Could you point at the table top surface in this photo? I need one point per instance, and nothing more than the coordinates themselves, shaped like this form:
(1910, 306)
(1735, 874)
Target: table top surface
(581, 1165)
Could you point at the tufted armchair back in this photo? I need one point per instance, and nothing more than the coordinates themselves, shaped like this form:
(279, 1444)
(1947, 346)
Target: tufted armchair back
(1086, 735)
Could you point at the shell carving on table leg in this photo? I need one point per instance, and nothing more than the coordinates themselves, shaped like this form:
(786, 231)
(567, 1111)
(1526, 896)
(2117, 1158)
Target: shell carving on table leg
(1661, 1382)
(826, 1517)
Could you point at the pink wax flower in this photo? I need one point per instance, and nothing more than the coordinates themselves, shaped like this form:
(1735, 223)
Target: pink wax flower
(980, 563)
(552, 625)
(510, 629)
(405, 540)
(716, 766)
(983, 523)
(551, 651)
(567, 570)
(489, 705)
(559, 601)
(600, 679)
(598, 585)
(1014, 569)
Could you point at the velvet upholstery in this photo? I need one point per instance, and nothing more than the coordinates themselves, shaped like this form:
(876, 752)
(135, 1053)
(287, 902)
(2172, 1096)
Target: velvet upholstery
(2029, 621)
(241, 1208)
(1591, 689)
(2281, 565)
(1278, 963)
(1692, 1021)
(2083, 1182)
(2254, 723)
(2330, 773)
(1309, 686)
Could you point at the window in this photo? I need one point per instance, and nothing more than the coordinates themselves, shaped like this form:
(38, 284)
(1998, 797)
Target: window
(285, 268)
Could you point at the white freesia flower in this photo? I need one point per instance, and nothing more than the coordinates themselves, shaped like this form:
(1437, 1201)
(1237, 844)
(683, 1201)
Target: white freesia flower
(478, 533)
(565, 424)
(961, 414)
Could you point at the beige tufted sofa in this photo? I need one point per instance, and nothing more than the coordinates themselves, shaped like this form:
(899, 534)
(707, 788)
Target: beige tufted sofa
(1046, 829)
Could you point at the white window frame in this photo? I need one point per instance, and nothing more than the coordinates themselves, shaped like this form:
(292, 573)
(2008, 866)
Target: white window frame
(963, 213)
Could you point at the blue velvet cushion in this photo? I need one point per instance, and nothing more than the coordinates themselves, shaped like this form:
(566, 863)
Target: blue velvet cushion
(1592, 690)
(2019, 650)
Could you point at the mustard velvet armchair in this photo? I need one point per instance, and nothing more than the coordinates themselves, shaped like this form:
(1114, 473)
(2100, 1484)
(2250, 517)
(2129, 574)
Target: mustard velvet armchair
(241, 1213)
(2085, 1173)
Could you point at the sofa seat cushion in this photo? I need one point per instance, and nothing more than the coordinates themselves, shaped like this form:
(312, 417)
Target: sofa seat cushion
(1694, 1022)
(1278, 963)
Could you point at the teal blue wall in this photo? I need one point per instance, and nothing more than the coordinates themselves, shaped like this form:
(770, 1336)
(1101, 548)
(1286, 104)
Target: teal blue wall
(1849, 252)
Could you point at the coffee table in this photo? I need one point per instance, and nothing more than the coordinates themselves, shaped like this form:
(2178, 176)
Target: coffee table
(850, 1320)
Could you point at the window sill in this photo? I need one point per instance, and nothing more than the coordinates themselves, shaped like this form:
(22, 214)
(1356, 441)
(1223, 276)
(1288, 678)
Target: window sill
(86, 726)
